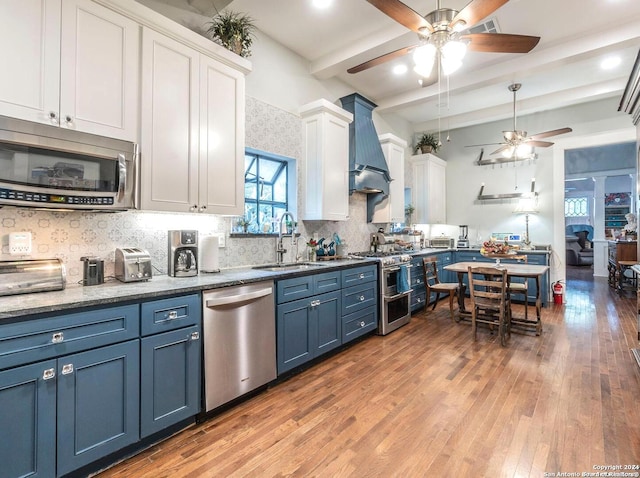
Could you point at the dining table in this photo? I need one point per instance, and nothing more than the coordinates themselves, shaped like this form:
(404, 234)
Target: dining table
(526, 271)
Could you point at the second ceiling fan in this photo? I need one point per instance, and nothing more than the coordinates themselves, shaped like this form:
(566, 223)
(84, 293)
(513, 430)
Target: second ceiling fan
(441, 38)
(517, 146)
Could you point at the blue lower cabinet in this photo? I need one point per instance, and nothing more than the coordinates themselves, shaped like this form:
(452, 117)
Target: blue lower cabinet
(170, 378)
(98, 404)
(307, 328)
(28, 420)
(359, 323)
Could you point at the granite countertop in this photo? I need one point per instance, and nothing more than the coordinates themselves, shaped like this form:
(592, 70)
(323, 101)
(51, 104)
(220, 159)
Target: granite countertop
(114, 291)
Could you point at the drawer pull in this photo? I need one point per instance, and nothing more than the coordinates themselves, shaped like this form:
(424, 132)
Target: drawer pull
(362, 324)
(173, 314)
(48, 374)
(361, 275)
(418, 281)
(57, 337)
(315, 303)
(67, 369)
(418, 299)
(361, 298)
(195, 335)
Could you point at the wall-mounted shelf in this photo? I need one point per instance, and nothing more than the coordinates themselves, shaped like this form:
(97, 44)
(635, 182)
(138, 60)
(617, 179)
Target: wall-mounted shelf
(529, 194)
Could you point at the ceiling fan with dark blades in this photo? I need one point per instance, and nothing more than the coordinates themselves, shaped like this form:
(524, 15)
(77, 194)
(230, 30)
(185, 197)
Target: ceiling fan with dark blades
(517, 146)
(440, 34)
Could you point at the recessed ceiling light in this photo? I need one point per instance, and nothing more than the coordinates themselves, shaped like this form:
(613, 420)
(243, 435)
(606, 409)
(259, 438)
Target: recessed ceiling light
(610, 62)
(322, 3)
(400, 69)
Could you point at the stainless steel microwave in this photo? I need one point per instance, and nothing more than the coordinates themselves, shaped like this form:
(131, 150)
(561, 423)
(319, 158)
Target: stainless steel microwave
(57, 168)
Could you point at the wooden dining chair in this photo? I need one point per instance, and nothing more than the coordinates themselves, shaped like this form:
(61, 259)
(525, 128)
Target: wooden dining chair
(521, 288)
(432, 283)
(490, 300)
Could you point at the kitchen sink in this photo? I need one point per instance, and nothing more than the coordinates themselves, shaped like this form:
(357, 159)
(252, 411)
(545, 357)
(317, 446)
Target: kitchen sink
(289, 266)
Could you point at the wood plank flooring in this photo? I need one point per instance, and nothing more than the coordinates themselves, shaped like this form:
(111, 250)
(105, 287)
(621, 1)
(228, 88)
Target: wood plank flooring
(426, 401)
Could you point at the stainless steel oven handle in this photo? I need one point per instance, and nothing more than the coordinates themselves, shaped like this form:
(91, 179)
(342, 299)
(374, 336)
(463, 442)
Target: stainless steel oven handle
(397, 296)
(391, 269)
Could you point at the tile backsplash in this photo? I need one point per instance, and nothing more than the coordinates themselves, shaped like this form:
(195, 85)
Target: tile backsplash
(72, 235)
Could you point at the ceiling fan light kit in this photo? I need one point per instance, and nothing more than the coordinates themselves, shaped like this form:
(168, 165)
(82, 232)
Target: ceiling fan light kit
(441, 36)
(517, 146)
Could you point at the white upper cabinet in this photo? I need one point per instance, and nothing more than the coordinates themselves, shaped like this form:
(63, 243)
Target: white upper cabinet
(73, 64)
(391, 209)
(170, 124)
(429, 193)
(221, 188)
(325, 130)
(192, 135)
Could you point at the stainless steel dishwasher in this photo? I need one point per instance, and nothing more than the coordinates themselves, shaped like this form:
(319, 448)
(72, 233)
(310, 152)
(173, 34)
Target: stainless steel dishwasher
(239, 330)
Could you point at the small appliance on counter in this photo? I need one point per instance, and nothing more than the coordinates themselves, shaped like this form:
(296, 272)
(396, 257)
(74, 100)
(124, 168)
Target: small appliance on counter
(132, 264)
(442, 242)
(463, 239)
(183, 253)
(31, 275)
(92, 271)
(208, 258)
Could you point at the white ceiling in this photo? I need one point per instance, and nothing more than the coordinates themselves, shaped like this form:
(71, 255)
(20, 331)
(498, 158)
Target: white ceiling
(563, 69)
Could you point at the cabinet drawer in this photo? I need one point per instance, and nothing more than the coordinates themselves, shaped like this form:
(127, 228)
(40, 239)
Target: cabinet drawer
(359, 275)
(359, 323)
(40, 339)
(306, 286)
(418, 299)
(292, 289)
(170, 314)
(358, 297)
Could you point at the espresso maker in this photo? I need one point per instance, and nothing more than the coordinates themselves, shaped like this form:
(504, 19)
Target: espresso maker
(183, 253)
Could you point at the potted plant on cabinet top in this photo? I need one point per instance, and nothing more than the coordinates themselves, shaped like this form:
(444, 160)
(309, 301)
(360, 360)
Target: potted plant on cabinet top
(234, 31)
(427, 143)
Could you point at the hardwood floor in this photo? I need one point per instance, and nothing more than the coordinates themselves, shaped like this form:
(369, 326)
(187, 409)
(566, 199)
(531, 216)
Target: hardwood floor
(427, 401)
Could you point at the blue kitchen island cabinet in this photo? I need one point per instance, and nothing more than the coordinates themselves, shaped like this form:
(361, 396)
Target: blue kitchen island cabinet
(419, 297)
(171, 354)
(310, 325)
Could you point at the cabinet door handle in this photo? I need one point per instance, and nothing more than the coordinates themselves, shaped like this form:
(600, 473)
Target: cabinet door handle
(202, 208)
(67, 369)
(193, 208)
(314, 303)
(361, 275)
(53, 117)
(195, 336)
(57, 337)
(48, 374)
(173, 314)
(68, 120)
(361, 298)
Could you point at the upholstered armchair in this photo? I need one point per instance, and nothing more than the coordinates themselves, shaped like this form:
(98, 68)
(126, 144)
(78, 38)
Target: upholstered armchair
(577, 255)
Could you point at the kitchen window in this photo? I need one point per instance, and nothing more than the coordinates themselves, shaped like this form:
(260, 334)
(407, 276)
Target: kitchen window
(267, 191)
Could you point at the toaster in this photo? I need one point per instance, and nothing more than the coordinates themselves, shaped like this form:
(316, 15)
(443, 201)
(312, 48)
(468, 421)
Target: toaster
(132, 264)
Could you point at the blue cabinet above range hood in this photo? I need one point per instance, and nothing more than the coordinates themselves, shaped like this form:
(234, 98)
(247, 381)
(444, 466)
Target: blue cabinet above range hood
(368, 169)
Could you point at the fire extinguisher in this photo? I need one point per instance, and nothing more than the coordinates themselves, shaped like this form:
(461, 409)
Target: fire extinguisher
(557, 292)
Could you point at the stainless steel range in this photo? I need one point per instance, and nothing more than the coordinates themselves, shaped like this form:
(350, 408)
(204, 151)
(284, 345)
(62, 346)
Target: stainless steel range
(394, 270)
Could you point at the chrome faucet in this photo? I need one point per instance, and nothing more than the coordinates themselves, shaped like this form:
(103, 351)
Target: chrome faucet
(280, 250)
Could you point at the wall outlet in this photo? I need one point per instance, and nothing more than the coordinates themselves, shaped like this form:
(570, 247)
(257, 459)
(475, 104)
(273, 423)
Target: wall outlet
(221, 239)
(19, 243)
